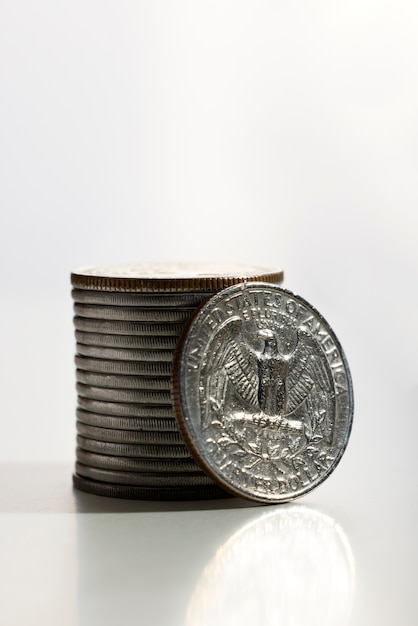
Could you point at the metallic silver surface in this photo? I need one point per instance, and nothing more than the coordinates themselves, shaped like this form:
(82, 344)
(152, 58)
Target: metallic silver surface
(128, 328)
(124, 395)
(263, 393)
(122, 382)
(142, 479)
(155, 437)
(138, 450)
(158, 300)
(120, 409)
(132, 314)
(137, 342)
(132, 464)
(125, 354)
(127, 423)
(209, 492)
(139, 368)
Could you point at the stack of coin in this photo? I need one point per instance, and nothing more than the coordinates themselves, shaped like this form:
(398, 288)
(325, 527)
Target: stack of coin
(128, 322)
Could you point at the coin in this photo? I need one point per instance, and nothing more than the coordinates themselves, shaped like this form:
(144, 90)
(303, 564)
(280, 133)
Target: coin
(211, 492)
(154, 437)
(123, 382)
(119, 409)
(128, 328)
(158, 300)
(263, 393)
(132, 314)
(120, 463)
(165, 277)
(139, 368)
(142, 479)
(136, 342)
(127, 423)
(138, 450)
(123, 395)
(125, 354)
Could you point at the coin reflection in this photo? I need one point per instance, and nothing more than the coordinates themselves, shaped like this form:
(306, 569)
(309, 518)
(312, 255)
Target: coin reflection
(290, 566)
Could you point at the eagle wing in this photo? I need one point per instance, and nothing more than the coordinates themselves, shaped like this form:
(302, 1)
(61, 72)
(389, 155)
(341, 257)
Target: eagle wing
(230, 361)
(309, 369)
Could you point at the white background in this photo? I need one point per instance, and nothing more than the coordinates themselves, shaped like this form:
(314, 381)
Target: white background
(269, 132)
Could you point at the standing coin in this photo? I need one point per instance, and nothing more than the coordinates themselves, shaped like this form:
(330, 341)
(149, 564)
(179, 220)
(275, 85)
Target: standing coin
(157, 300)
(263, 393)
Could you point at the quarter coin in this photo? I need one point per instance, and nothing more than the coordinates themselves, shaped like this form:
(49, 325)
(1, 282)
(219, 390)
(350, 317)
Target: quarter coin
(158, 300)
(164, 277)
(154, 329)
(125, 354)
(137, 342)
(154, 437)
(137, 464)
(138, 368)
(210, 492)
(120, 409)
(263, 393)
(142, 479)
(132, 314)
(123, 382)
(124, 395)
(127, 423)
(138, 450)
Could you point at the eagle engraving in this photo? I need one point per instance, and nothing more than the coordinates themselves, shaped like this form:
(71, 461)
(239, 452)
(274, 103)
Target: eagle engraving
(281, 390)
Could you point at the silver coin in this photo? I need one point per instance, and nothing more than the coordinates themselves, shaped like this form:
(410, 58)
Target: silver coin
(128, 328)
(155, 437)
(139, 368)
(132, 314)
(143, 480)
(123, 382)
(124, 395)
(159, 451)
(120, 463)
(263, 393)
(127, 423)
(120, 409)
(158, 300)
(125, 354)
(137, 342)
(209, 492)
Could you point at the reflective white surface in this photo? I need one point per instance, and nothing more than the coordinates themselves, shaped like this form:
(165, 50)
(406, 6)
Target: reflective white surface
(342, 555)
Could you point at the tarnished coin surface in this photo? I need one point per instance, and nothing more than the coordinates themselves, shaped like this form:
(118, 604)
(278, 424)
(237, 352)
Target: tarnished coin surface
(136, 342)
(132, 314)
(148, 300)
(263, 393)
(164, 277)
(123, 382)
(209, 492)
(133, 464)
